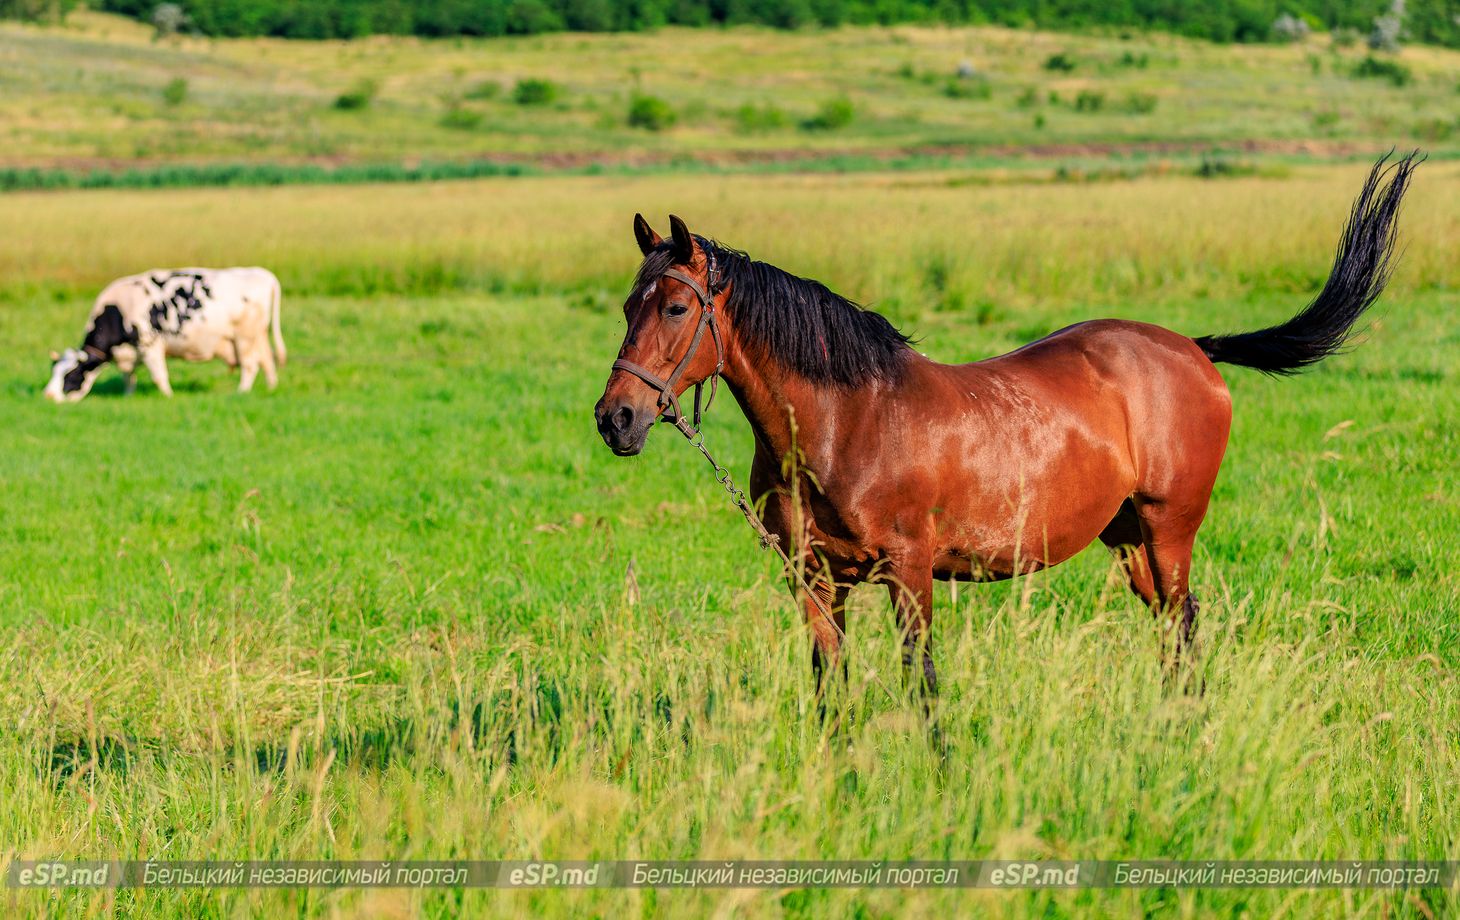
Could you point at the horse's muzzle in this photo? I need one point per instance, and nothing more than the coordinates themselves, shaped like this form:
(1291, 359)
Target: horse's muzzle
(623, 428)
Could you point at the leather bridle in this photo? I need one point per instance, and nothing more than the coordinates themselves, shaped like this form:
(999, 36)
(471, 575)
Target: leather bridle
(668, 399)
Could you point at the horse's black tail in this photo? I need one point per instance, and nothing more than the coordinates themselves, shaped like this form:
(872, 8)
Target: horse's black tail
(1360, 271)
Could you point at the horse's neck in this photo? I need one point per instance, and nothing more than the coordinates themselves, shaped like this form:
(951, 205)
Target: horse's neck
(784, 410)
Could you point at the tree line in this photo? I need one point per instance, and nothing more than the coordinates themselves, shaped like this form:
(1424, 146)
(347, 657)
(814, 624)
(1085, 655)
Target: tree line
(1431, 21)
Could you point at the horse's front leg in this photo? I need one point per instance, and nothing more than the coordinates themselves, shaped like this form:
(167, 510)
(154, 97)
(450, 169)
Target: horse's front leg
(824, 606)
(826, 618)
(910, 583)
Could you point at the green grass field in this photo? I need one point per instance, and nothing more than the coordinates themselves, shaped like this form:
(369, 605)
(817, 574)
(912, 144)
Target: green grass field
(409, 606)
(94, 93)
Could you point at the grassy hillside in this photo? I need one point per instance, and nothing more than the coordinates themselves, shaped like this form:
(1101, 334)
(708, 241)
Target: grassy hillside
(95, 92)
(387, 610)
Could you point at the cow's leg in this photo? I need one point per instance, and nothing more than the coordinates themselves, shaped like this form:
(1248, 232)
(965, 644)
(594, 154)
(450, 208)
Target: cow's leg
(126, 360)
(156, 360)
(248, 366)
(266, 361)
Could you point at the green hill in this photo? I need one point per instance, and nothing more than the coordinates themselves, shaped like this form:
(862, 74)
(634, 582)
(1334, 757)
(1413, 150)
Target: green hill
(99, 92)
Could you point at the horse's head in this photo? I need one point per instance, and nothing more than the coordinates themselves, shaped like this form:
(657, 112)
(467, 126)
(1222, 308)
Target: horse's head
(671, 313)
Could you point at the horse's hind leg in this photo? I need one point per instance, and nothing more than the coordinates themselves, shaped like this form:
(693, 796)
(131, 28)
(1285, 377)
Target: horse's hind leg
(1170, 532)
(1127, 543)
(1153, 546)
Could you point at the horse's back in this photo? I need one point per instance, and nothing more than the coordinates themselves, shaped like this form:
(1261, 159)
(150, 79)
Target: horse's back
(1154, 384)
(1101, 339)
(1177, 407)
(1146, 362)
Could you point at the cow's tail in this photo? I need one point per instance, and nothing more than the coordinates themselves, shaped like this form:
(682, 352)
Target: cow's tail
(281, 354)
(1360, 271)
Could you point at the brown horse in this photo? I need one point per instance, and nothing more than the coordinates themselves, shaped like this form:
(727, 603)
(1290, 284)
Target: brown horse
(911, 470)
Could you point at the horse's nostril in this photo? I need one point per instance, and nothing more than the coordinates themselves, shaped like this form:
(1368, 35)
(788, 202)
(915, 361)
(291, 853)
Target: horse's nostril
(622, 419)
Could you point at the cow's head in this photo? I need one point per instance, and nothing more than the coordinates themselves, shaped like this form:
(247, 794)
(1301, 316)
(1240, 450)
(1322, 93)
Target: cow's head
(72, 374)
(76, 369)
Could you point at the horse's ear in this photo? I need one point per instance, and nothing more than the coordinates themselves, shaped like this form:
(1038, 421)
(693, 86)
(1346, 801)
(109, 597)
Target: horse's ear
(684, 244)
(645, 234)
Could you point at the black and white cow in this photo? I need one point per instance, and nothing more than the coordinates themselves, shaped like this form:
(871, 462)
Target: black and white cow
(192, 313)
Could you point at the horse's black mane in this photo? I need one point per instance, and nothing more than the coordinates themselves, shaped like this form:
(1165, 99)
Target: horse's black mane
(800, 323)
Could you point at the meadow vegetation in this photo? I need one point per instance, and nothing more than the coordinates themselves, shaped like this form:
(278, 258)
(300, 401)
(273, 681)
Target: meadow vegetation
(1216, 20)
(409, 606)
(94, 95)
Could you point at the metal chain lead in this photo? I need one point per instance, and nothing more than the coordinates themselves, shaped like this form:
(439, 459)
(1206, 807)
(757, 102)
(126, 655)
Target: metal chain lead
(768, 540)
(693, 434)
(669, 399)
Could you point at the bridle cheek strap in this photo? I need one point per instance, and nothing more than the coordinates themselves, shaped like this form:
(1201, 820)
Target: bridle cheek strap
(668, 400)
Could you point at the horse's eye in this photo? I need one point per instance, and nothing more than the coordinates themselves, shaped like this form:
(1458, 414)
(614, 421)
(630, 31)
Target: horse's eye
(677, 309)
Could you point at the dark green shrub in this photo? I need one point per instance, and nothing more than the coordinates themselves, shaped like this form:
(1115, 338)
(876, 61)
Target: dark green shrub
(833, 114)
(533, 91)
(1089, 101)
(1373, 68)
(175, 92)
(357, 97)
(650, 113)
(1059, 63)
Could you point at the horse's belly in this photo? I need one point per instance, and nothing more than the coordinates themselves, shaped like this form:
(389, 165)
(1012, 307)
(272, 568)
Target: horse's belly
(1030, 521)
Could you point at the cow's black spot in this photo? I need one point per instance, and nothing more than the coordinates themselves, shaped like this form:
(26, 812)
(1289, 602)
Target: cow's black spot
(107, 331)
(73, 379)
(173, 311)
(76, 376)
